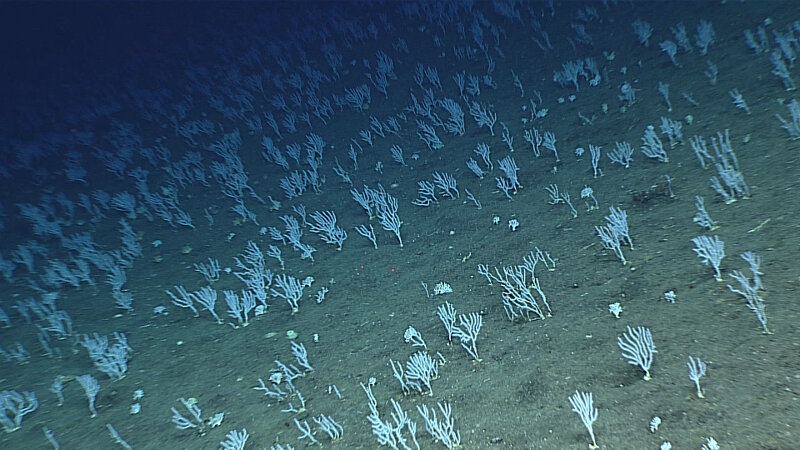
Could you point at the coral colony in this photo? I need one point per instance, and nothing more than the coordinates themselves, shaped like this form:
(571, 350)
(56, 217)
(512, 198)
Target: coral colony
(235, 216)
